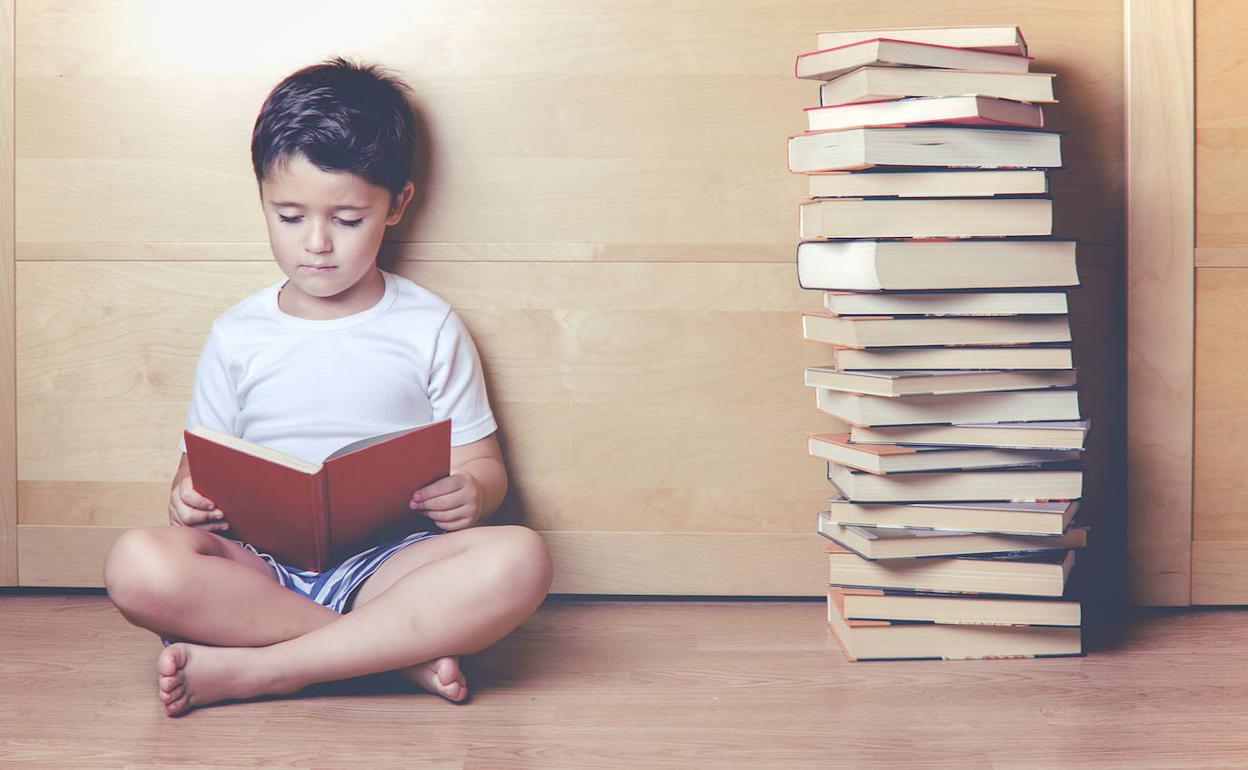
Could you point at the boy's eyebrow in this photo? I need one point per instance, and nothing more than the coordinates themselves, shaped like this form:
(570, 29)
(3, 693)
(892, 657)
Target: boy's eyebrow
(335, 208)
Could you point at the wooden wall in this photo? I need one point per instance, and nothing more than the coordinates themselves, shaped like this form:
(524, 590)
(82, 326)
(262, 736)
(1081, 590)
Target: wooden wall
(8, 376)
(1220, 506)
(609, 210)
(1160, 179)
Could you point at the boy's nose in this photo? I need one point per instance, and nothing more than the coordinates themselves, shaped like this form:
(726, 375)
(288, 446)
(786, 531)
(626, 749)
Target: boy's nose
(317, 240)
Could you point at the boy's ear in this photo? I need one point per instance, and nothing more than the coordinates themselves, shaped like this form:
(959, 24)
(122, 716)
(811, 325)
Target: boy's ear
(400, 204)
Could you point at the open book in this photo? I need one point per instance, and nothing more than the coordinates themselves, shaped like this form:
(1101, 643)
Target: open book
(312, 515)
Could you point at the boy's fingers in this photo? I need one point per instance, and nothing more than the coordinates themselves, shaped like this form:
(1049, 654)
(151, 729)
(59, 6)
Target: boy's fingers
(195, 516)
(449, 523)
(442, 486)
(446, 502)
(196, 500)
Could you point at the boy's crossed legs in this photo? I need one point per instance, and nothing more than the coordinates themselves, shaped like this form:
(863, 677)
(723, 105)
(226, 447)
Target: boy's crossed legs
(449, 595)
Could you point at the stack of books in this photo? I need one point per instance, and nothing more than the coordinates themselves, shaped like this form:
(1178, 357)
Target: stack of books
(929, 231)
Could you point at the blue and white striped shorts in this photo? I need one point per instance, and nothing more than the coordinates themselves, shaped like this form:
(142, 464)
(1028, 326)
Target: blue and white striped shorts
(335, 585)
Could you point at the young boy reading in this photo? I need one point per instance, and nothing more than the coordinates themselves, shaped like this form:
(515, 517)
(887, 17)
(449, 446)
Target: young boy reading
(338, 351)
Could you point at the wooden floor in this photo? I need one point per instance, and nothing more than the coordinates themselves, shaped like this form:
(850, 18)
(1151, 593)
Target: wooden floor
(591, 684)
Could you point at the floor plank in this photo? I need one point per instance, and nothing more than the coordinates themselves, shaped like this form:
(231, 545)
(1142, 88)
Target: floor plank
(643, 684)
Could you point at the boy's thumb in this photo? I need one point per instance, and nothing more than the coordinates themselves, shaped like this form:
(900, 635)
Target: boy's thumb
(196, 500)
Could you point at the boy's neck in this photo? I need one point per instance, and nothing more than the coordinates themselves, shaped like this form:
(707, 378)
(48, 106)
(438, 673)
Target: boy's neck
(366, 293)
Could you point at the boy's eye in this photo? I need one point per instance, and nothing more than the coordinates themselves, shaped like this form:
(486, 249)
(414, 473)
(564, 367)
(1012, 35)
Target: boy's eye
(347, 222)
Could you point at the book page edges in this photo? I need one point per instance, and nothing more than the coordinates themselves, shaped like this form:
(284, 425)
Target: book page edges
(255, 450)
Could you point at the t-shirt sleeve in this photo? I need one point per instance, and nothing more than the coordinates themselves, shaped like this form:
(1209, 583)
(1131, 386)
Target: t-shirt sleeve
(214, 399)
(457, 384)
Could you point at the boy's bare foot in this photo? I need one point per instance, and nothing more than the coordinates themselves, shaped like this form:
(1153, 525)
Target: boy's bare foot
(191, 675)
(440, 676)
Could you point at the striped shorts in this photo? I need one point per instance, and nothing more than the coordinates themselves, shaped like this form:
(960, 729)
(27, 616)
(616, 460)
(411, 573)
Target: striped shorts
(335, 585)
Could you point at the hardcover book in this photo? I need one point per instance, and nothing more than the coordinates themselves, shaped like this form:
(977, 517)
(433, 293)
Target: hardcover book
(313, 515)
(932, 183)
(934, 146)
(926, 265)
(893, 640)
(877, 543)
(982, 37)
(992, 217)
(968, 304)
(885, 331)
(871, 84)
(1051, 481)
(893, 458)
(951, 357)
(965, 110)
(976, 609)
(903, 382)
(1035, 573)
(1059, 404)
(1060, 434)
(830, 63)
(1002, 518)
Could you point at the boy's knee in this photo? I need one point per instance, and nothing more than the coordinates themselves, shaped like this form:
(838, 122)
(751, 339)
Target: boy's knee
(523, 559)
(138, 568)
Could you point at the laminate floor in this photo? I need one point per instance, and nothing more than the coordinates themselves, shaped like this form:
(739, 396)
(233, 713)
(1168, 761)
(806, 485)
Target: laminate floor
(590, 683)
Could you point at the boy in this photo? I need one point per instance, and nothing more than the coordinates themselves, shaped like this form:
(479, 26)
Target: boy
(338, 351)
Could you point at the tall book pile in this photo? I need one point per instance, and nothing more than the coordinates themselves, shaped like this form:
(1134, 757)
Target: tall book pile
(929, 231)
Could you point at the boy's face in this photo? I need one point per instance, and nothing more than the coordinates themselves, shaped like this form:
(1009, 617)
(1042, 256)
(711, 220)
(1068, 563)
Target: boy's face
(325, 228)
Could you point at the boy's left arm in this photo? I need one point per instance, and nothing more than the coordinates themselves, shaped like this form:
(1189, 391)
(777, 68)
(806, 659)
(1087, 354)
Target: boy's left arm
(473, 490)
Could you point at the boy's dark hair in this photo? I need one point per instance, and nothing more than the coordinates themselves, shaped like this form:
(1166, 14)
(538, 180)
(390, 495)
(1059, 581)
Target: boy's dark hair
(341, 116)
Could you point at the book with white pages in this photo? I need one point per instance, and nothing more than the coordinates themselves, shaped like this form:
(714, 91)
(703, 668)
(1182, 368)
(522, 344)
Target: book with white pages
(902, 382)
(983, 37)
(937, 183)
(951, 357)
(961, 610)
(872, 543)
(873, 84)
(999, 517)
(1031, 573)
(935, 304)
(912, 331)
(963, 110)
(994, 217)
(882, 265)
(863, 410)
(892, 458)
(1042, 482)
(831, 63)
(1048, 435)
(891, 640)
(934, 146)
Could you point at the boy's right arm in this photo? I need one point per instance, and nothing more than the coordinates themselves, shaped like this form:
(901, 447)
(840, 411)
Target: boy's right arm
(188, 508)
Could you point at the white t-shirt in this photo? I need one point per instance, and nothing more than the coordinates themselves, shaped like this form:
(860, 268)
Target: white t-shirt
(308, 387)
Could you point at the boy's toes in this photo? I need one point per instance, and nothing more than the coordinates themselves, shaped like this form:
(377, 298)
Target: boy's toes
(171, 661)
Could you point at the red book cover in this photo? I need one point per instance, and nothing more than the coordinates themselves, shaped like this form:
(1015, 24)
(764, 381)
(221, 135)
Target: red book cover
(314, 515)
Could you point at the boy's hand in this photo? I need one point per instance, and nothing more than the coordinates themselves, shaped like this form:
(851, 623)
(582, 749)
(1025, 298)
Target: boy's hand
(452, 502)
(188, 508)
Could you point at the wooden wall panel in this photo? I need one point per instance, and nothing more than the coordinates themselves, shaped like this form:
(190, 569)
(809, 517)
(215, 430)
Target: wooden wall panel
(8, 384)
(1221, 132)
(1220, 505)
(1160, 275)
(1220, 536)
(1219, 571)
(609, 210)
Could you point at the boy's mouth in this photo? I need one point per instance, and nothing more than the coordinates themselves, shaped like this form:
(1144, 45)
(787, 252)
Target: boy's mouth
(318, 268)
